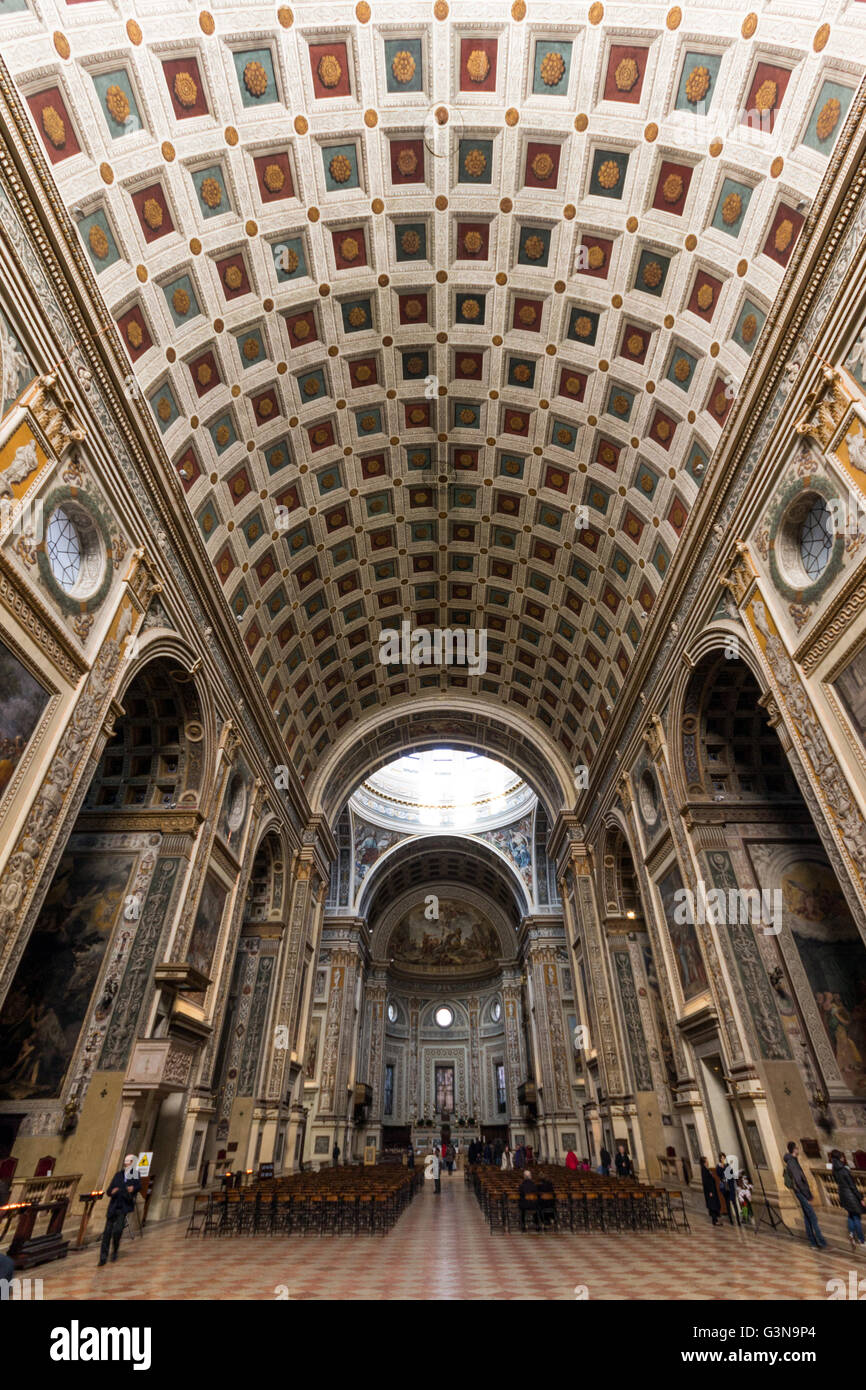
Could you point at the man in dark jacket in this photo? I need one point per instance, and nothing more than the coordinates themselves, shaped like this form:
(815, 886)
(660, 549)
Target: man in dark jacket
(796, 1180)
(849, 1197)
(605, 1162)
(122, 1192)
(528, 1199)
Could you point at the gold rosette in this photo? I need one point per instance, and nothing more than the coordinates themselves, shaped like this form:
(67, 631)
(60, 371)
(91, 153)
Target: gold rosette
(784, 234)
(706, 295)
(475, 163)
(273, 178)
(583, 326)
(672, 188)
(266, 406)
(471, 309)
(340, 169)
(765, 96)
(572, 385)
(203, 373)
(682, 368)
(163, 408)
(403, 66)
(552, 69)
(635, 344)
(652, 274)
(311, 387)
(54, 127)
(534, 247)
(626, 74)
(152, 214)
(251, 349)
(134, 335)
(608, 174)
(291, 260)
(185, 89)
(329, 70)
(473, 242)
(477, 65)
(255, 79)
(413, 309)
(415, 366)
(233, 277)
(620, 404)
(828, 118)
(98, 242)
(407, 162)
(211, 193)
(349, 249)
(363, 373)
(521, 372)
(542, 166)
(467, 416)
(410, 242)
(301, 329)
(749, 328)
(223, 435)
(368, 423)
(357, 316)
(117, 104)
(731, 208)
(468, 366)
(595, 257)
(697, 84)
(527, 313)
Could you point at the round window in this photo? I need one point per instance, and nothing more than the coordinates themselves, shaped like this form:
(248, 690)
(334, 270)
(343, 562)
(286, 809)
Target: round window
(496, 1012)
(392, 1013)
(444, 1016)
(816, 538)
(74, 550)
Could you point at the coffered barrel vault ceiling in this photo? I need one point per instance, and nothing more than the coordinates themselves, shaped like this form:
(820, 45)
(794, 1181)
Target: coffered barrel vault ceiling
(430, 279)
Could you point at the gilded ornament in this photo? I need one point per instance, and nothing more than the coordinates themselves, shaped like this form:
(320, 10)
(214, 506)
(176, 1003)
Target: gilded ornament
(415, 366)
(440, 9)
(475, 163)
(362, 12)
(784, 234)
(413, 308)
(98, 242)
(542, 166)
(534, 247)
(652, 274)
(468, 366)
(552, 69)
(672, 188)
(349, 249)
(363, 373)
(273, 178)
(234, 277)
(516, 422)
(595, 257)
(403, 66)
(152, 214)
(583, 326)
(828, 118)
(251, 349)
(329, 70)
(357, 316)
(607, 453)
(418, 460)
(117, 104)
(765, 96)
(206, 22)
(54, 127)
(185, 89)
(163, 408)
(470, 309)
(311, 387)
(301, 329)
(682, 368)
(521, 372)
(467, 416)
(518, 10)
(477, 65)
(572, 385)
(203, 373)
(340, 168)
(620, 404)
(626, 74)
(410, 242)
(266, 406)
(320, 436)
(407, 161)
(290, 260)
(223, 435)
(749, 328)
(663, 429)
(473, 242)
(211, 192)
(418, 415)
(527, 313)
(720, 400)
(608, 174)
(635, 344)
(134, 335)
(285, 16)
(749, 25)
(706, 295)
(731, 208)
(255, 79)
(563, 436)
(697, 84)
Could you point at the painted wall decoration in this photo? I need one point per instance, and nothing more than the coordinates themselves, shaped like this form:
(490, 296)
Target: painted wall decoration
(142, 958)
(850, 684)
(236, 801)
(258, 1013)
(515, 842)
(834, 960)
(634, 1028)
(370, 842)
(657, 1006)
(311, 1060)
(202, 942)
(23, 703)
(16, 371)
(460, 937)
(684, 939)
(48, 1001)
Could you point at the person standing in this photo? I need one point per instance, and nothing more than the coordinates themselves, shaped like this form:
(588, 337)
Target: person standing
(605, 1161)
(436, 1171)
(410, 1156)
(335, 1154)
(795, 1179)
(727, 1182)
(571, 1160)
(506, 1160)
(624, 1165)
(712, 1196)
(122, 1192)
(849, 1198)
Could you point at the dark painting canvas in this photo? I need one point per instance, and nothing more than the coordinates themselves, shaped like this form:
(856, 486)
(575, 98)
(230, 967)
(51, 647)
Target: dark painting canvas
(48, 1002)
(22, 702)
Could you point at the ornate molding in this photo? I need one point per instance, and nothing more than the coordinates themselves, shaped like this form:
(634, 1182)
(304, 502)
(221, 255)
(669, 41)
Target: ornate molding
(826, 407)
(740, 573)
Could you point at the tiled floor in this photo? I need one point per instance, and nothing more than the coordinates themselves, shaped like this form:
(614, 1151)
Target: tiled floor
(441, 1248)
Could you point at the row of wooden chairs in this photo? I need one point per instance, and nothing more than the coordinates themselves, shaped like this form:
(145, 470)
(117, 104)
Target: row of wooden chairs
(287, 1207)
(618, 1205)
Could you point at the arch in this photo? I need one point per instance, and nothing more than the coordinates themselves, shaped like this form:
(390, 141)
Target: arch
(422, 724)
(158, 644)
(266, 886)
(429, 848)
(710, 644)
(619, 883)
(471, 897)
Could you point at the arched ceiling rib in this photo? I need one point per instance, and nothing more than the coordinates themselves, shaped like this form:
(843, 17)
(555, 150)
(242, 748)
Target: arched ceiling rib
(430, 283)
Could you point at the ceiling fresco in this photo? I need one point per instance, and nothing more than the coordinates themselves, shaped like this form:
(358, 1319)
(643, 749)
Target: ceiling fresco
(440, 311)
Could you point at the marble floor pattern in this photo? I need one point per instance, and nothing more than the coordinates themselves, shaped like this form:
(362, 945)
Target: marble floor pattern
(441, 1248)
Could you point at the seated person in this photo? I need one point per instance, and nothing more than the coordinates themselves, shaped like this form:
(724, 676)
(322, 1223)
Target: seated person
(528, 1199)
(546, 1199)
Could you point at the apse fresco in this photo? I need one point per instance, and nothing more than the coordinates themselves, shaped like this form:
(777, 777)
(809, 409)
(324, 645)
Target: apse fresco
(515, 842)
(460, 936)
(834, 959)
(48, 1001)
(21, 707)
(684, 939)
